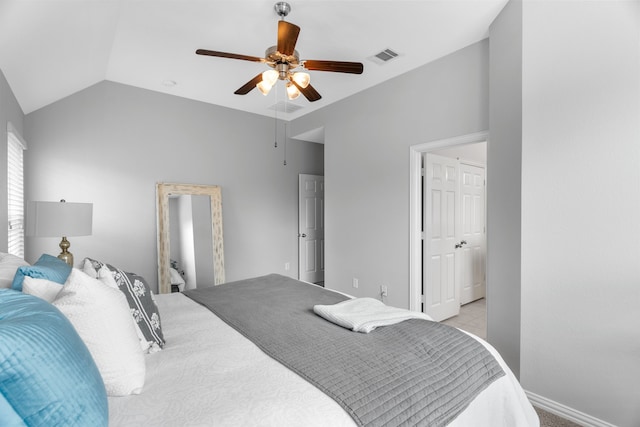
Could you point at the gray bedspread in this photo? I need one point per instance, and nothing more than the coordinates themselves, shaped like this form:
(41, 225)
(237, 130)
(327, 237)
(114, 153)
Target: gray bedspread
(413, 373)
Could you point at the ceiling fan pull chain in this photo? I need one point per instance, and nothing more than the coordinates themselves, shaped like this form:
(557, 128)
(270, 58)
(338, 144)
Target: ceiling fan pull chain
(275, 132)
(275, 124)
(285, 142)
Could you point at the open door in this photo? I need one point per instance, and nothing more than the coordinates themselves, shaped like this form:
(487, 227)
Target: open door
(311, 228)
(442, 258)
(472, 188)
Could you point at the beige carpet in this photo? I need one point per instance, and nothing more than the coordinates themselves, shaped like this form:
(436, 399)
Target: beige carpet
(548, 419)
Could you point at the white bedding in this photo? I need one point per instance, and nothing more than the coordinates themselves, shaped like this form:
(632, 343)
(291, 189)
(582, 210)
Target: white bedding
(210, 375)
(365, 314)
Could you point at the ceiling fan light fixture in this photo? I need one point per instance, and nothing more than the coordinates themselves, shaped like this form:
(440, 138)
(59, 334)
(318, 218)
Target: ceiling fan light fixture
(270, 77)
(264, 87)
(292, 91)
(302, 79)
(284, 58)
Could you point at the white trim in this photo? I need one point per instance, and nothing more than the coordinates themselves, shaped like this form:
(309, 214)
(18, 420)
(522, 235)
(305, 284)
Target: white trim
(566, 412)
(472, 138)
(15, 133)
(415, 210)
(415, 230)
(472, 163)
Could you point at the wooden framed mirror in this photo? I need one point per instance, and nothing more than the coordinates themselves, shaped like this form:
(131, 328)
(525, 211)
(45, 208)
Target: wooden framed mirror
(166, 191)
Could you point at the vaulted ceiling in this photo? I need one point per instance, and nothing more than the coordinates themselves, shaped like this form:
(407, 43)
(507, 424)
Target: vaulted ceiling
(50, 49)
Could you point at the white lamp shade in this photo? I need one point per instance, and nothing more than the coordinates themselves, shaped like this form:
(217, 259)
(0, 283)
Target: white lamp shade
(59, 219)
(270, 77)
(264, 87)
(292, 91)
(303, 79)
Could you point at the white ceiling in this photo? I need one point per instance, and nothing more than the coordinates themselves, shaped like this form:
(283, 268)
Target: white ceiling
(50, 49)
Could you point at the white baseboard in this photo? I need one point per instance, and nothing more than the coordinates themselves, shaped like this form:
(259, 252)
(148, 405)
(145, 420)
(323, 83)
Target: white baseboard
(566, 412)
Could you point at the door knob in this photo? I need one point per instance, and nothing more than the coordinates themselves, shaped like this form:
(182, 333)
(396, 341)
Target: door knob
(302, 235)
(462, 243)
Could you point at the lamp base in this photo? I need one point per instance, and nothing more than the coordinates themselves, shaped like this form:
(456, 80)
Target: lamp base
(65, 255)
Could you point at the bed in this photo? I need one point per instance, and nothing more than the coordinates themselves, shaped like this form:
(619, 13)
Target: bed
(210, 373)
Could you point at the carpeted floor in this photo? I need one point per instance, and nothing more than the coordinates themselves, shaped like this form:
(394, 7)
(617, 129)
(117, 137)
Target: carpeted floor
(548, 419)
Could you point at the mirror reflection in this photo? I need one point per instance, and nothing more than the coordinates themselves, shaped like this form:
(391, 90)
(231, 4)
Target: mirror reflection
(190, 242)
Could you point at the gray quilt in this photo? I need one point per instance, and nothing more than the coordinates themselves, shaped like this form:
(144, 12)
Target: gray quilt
(413, 373)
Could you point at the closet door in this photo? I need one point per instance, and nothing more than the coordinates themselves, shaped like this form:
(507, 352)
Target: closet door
(473, 252)
(311, 228)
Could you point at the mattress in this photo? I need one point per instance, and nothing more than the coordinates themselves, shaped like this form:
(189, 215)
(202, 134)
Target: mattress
(210, 375)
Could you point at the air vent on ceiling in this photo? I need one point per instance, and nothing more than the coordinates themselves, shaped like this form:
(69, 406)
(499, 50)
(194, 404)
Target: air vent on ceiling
(285, 107)
(384, 56)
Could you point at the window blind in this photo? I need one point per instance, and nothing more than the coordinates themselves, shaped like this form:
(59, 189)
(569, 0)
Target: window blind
(15, 193)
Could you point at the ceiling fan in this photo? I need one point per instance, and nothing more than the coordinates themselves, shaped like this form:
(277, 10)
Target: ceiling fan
(286, 64)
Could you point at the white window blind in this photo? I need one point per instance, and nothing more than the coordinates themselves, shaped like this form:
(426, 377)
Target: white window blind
(15, 192)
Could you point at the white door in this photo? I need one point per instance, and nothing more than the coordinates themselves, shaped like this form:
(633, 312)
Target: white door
(311, 228)
(472, 193)
(441, 259)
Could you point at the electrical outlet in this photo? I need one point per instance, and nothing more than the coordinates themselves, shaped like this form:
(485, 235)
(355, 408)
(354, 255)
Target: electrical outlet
(355, 282)
(287, 266)
(383, 290)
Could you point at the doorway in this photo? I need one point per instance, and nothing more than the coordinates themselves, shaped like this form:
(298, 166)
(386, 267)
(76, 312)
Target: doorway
(417, 295)
(311, 228)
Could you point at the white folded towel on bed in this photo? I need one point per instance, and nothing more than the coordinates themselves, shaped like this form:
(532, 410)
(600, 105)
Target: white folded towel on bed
(365, 314)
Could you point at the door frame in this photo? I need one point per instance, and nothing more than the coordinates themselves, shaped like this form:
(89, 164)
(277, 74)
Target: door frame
(415, 207)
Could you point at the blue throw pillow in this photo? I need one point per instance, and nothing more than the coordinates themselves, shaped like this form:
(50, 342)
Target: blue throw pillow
(47, 267)
(47, 375)
(8, 417)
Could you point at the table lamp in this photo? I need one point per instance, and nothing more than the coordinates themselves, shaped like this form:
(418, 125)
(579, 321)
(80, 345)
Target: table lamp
(55, 219)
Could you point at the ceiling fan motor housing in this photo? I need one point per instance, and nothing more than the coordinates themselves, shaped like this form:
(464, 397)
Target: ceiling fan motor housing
(283, 70)
(281, 63)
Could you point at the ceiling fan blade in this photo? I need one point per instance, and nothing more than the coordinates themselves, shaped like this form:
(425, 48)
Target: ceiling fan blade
(335, 66)
(249, 85)
(287, 37)
(309, 92)
(229, 55)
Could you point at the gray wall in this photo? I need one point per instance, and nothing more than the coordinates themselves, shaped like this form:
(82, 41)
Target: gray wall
(580, 206)
(10, 111)
(504, 168)
(202, 242)
(367, 140)
(109, 145)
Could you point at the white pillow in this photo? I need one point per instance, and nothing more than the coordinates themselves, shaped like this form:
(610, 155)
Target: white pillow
(88, 269)
(8, 266)
(42, 288)
(176, 277)
(101, 317)
(106, 276)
